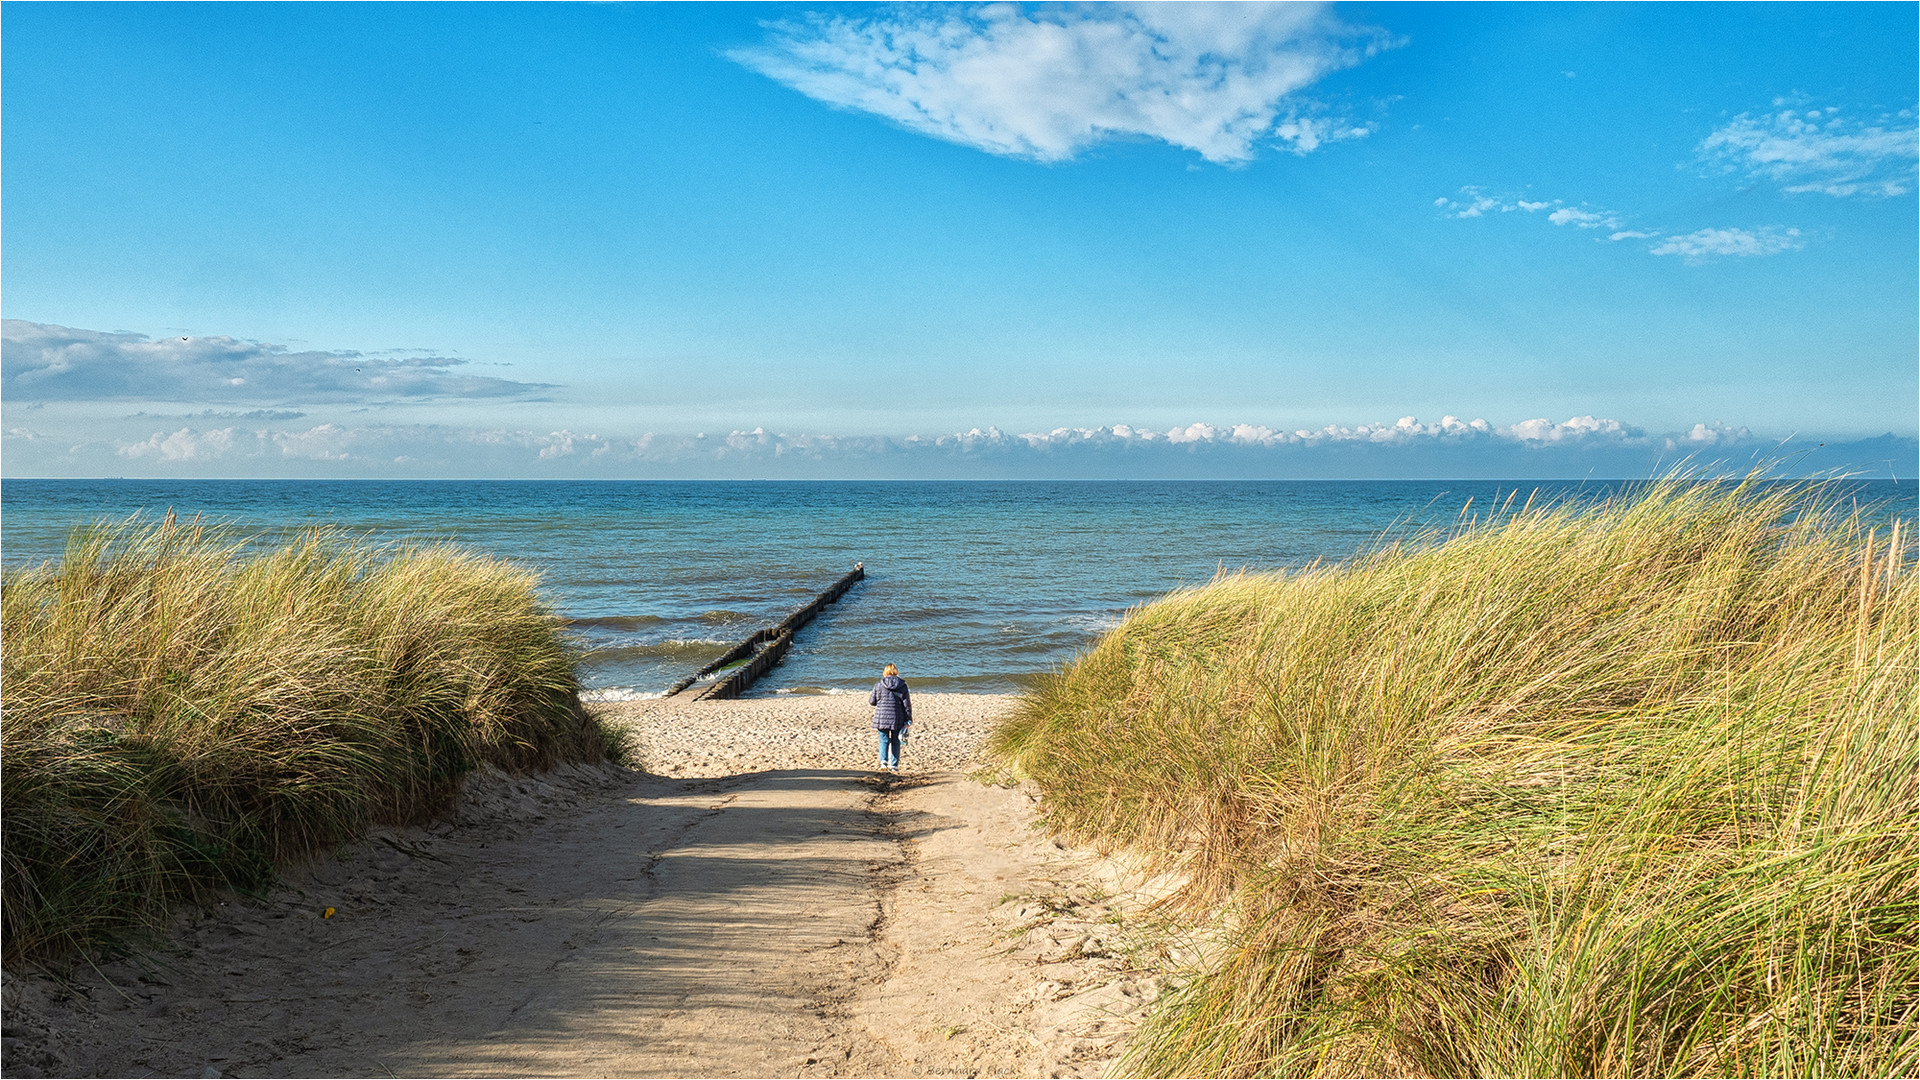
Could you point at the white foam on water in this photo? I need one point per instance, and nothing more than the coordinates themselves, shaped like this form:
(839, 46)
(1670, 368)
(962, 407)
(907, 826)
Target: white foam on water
(619, 693)
(834, 690)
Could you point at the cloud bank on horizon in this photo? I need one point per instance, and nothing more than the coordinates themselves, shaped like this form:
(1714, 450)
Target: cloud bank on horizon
(68, 380)
(1219, 79)
(333, 442)
(1407, 448)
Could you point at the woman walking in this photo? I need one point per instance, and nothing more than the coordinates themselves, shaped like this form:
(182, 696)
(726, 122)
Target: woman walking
(892, 713)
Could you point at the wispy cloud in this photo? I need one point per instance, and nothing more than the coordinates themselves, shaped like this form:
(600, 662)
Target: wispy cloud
(1474, 202)
(1698, 246)
(1803, 149)
(1583, 219)
(1045, 83)
(1818, 150)
(43, 362)
(1712, 243)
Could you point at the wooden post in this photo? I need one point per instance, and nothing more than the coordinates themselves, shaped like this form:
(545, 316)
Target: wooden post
(767, 646)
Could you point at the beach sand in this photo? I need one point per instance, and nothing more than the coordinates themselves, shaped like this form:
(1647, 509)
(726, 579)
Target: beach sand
(683, 738)
(761, 901)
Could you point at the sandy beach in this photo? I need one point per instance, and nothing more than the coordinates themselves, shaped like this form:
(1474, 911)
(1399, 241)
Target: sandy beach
(759, 902)
(683, 738)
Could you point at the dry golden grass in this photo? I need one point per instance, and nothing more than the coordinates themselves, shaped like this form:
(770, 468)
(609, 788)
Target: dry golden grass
(177, 713)
(1626, 790)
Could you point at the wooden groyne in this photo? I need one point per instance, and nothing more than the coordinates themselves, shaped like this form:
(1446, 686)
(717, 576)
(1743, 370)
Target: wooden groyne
(767, 647)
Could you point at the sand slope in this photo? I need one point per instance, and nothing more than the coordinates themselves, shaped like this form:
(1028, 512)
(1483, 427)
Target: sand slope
(761, 904)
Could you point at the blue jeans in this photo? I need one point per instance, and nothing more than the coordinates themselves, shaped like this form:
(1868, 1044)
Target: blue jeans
(890, 746)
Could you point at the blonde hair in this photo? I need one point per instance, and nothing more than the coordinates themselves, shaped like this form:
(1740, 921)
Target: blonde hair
(889, 670)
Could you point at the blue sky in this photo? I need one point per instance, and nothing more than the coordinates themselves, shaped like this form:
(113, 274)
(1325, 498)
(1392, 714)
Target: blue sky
(950, 240)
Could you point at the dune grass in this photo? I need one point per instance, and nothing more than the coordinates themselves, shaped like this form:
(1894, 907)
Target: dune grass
(1621, 790)
(181, 712)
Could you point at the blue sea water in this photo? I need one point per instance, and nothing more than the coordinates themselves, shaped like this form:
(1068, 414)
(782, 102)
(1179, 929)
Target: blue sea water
(971, 586)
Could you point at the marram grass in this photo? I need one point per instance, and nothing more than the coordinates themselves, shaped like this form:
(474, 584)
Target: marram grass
(179, 712)
(1623, 790)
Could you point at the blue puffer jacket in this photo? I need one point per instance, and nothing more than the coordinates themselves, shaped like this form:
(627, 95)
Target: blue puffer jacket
(893, 709)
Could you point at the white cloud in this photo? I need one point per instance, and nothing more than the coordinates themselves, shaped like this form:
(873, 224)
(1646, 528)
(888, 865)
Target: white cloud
(1803, 149)
(1475, 202)
(1696, 246)
(1818, 150)
(1709, 243)
(44, 362)
(1046, 83)
(324, 442)
(1305, 134)
(1407, 430)
(183, 445)
(1577, 428)
(1714, 434)
(1585, 219)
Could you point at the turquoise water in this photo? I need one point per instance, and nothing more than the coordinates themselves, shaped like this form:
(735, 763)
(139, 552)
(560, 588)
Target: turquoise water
(971, 586)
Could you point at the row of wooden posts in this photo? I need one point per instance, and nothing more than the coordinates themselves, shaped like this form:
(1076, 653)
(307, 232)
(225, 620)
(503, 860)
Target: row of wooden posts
(767, 647)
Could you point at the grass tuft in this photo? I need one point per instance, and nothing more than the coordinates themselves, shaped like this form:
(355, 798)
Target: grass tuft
(1615, 790)
(180, 713)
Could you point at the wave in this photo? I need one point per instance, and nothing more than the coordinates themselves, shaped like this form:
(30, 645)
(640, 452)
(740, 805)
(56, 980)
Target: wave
(1099, 622)
(619, 693)
(808, 691)
(672, 649)
(618, 622)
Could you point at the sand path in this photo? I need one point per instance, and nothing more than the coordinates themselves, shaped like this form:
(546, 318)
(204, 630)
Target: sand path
(762, 904)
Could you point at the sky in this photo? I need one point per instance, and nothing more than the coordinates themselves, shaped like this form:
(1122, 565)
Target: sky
(735, 240)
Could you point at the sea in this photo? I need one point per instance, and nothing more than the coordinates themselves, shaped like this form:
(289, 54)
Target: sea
(971, 586)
